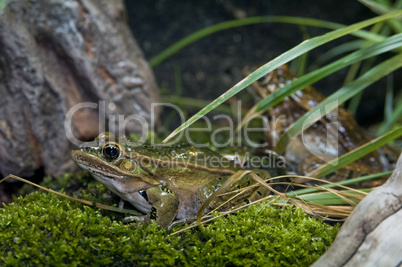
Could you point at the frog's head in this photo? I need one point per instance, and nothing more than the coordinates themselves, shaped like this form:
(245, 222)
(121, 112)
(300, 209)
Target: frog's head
(106, 147)
(108, 159)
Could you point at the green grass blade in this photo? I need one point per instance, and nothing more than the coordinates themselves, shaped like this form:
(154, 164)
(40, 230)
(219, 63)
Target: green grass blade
(329, 198)
(395, 116)
(383, 8)
(375, 7)
(168, 52)
(339, 97)
(193, 103)
(389, 97)
(345, 182)
(370, 51)
(392, 112)
(3, 4)
(338, 50)
(356, 153)
(280, 60)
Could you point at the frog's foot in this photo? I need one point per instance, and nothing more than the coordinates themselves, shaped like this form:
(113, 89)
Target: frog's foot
(140, 218)
(143, 218)
(182, 221)
(121, 204)
(187, 220)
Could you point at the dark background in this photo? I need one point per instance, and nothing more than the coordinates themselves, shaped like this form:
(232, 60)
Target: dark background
(212, 65)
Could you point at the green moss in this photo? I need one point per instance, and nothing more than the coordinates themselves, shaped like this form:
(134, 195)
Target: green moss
(43, 228)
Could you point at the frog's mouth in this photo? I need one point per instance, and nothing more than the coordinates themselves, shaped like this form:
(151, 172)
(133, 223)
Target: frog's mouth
(100, 168)
(95, 165)
(113, 178)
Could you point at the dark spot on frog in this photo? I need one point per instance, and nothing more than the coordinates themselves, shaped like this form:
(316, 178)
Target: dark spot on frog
(247, 201)
(165, 189)
(153, 214)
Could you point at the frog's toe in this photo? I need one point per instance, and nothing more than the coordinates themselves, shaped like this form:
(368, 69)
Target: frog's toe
(135, 218)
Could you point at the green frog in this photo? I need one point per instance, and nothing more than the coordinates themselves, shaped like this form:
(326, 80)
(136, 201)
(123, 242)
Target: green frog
(332, 135)
(166, 183)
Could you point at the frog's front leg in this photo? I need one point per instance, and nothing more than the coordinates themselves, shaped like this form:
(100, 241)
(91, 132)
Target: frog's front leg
(165, 204)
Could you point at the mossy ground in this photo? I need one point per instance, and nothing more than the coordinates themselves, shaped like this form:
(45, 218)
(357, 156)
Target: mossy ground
(44, 229)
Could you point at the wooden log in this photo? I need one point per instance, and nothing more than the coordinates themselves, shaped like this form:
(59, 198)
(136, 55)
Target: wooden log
(372, 235)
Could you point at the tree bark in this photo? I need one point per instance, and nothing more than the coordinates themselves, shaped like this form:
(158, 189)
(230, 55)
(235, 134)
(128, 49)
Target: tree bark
(55, 54)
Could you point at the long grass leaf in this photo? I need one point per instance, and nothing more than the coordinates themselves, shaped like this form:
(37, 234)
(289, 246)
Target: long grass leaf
(280, 60)
(339, 97)
(394, 117)
(314, 76)
(345, 182)
(329, 198)
(168, 52)
(336, 51)
(193, 103)
(383, 8)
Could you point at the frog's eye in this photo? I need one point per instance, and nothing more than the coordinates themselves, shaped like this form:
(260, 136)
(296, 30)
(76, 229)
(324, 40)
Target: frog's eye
(111, 151)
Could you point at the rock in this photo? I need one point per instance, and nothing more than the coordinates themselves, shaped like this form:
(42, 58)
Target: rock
(372, 235)
(54, 55)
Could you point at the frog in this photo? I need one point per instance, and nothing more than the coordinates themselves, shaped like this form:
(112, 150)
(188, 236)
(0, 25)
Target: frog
(165, 183)
(334, 135)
